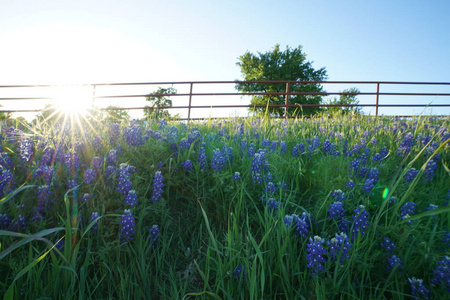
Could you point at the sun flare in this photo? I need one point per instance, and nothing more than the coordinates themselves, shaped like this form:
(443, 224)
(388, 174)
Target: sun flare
(73, 100)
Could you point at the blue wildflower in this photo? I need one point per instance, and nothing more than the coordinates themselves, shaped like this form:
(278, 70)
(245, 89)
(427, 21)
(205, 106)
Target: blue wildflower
(360, 221)
(388, 245)
(441, 273)
(124, 184)
(127, 225)
(338, 195)
(336, 210)
(86, 197)
(315, 254)
(94, 217)
(339, 245)
(157, 186)
(236, 176)
(410, 175)
(239, 273)
(418, 290)
(394, 262)
(89, 176)
(154, 235)
(131, 198)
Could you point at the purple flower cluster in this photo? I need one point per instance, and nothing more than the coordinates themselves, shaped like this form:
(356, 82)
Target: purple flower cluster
(187, 165)
(301, 224)
(157, 186)
(124, 184)
(339, 246)
(298, 149)
(394, 262)
(25, 149)
(236, 176)
(127, 225)
(154, 235)
(338, 195)
(418, 290)
(408, 209)
(133, 135)
(360, 221)
(259, 165)
(411, 174)
(219, 160)
(336, 210)
(441, 273)
(388, 245)
(239, 272)
(316, 251)
(202, 157)
(131, 198)
(89, 176)
(93, 218)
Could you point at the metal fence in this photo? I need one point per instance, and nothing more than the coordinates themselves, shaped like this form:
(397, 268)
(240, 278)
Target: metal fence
(375, 90)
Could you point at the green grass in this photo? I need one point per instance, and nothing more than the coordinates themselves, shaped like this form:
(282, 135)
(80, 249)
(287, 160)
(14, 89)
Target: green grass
(211, 224)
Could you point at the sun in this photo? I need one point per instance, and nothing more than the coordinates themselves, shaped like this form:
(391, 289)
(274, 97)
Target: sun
(73, 99)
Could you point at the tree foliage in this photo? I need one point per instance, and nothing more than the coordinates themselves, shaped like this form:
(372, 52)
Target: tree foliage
(349, 97)
(288, 65)
(155, 111)
(114, 114)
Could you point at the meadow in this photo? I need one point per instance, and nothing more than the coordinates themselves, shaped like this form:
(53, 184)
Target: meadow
(350, 207)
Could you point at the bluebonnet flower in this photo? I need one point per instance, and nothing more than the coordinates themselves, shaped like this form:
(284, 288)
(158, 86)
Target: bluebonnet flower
(272, 205)
(154, 235)
(218, 160)
(187, 165)
(411, 174)
(315, 144)
(131, 198)
(25, 149)
(407, 144)
(350, 184)
(360, 221)
(114, 132)
(388, 245)
(239, 272)
(394, 262)
(441, 273)
(18, 224)
(329, 147)
(124, 184)
(336, 210)
(97, 163)
(243, 146)
(157, 186)
(89, 176)
(72, 184)
(301, 224)
(184, 144)
(408, 209)
(259, 165)
(251, 150)
(110, 174)
(430, 170)
(86, 197)
(298, 149)
(6, 181)
(133, 135)
(338, 195)
(283, 147)
(273, 145)
(418, 290)
(111, 157)
(6, 161)
(446, 237)
(71, 161)
(94, 217)
(5, 221)
(43, 198)
(127, 225)
(339, 245)
(236, 176)
(315, 254)
(202, 157)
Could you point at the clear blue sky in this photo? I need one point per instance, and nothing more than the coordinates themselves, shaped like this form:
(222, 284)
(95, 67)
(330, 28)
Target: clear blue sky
(92, 41)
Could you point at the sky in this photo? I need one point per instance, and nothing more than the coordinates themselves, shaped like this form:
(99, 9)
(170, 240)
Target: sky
(94, 41)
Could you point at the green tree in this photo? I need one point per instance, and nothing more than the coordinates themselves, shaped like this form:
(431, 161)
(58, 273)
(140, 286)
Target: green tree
(114, 114)
(155, 111)
(349, 97)
(288, 65)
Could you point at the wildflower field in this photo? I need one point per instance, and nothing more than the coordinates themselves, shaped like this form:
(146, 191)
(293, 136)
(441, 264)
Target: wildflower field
(323, 208)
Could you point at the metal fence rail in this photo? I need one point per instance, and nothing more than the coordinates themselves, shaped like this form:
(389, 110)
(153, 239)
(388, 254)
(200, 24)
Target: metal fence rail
(375, 85)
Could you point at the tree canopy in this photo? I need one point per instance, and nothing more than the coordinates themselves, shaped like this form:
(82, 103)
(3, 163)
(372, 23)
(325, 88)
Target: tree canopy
(288, 65)
(154, 111)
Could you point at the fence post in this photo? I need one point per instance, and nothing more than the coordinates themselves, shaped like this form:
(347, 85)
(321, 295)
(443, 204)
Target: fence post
(286, 101)
(190, 101)
(376, 101)
(93, 94)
